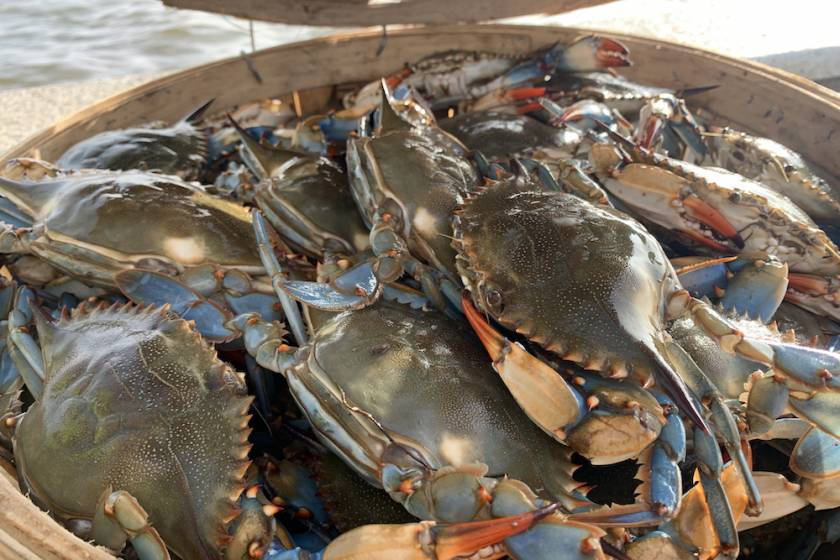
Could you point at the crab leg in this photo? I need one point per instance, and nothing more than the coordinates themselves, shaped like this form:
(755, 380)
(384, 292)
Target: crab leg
(278, 280)
(805, 371)
(119, 516)
(572, 178)
(153, 288)
(23, 349)
(363, 284)
(755, 287)
(722, 419)
(264, 341)
(592, 406)
(525, 533)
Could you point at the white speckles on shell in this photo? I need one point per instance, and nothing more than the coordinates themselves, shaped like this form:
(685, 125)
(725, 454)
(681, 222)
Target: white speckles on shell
(135, 400)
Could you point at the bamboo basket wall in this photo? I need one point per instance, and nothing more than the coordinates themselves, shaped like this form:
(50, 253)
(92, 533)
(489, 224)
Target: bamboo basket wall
(752, 96)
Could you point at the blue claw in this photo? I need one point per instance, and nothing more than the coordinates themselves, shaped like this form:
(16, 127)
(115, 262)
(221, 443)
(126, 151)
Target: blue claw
(666, 455)
(814, 367)
(146, 287)
(359, 280)
(821, 410)
(816, 455)
(323, 296)
(264, 304)
(755, 287)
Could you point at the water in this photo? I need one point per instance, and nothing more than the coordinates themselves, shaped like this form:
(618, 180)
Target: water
(48, 41)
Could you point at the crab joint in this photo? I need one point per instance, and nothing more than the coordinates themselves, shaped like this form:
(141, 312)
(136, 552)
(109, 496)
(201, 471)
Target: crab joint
(407, 487)
(256, 550)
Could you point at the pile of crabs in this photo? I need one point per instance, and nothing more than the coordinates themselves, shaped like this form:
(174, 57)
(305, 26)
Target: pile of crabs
(487, 307)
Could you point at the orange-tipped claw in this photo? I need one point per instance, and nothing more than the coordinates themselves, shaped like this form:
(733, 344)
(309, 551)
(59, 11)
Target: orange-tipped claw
(703, 240)
(650, 131)
(808, 283)
(396, 79)
(612, 54)
(542, 393)
(493, 342)
(518, 94)
(709, 216)
(572, 113)
(465, 539)
(428, 540)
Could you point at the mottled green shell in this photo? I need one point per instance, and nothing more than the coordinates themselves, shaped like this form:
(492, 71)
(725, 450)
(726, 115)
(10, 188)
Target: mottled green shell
(311, 195)
(584, 282)
(419, 174)
(500, 136)
(135, 400)
(133, 216)
(177, 150)
(427, 379)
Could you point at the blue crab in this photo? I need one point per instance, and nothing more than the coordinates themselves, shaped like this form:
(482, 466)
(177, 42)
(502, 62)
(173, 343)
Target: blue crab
(406, 181)
(723, 213)
(502, 136)
(418, 463)
(761, 159)
(126, 229)
(307, 200)
(155, 442)
(610, 312)
(451, 77)
(606, 420)
(170, 478)
(180, 149)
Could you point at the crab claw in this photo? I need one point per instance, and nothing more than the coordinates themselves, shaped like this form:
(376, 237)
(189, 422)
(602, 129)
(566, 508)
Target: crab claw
(539, 390)
(612, 54)
(608, 435)
(649, 130)
(695, 521)
(585, 113)
(504, 98)
(428, 540)
(657, 191)
(593, 53)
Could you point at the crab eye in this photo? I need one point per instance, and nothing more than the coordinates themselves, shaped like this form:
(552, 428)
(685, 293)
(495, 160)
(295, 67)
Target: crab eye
(493, 300)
